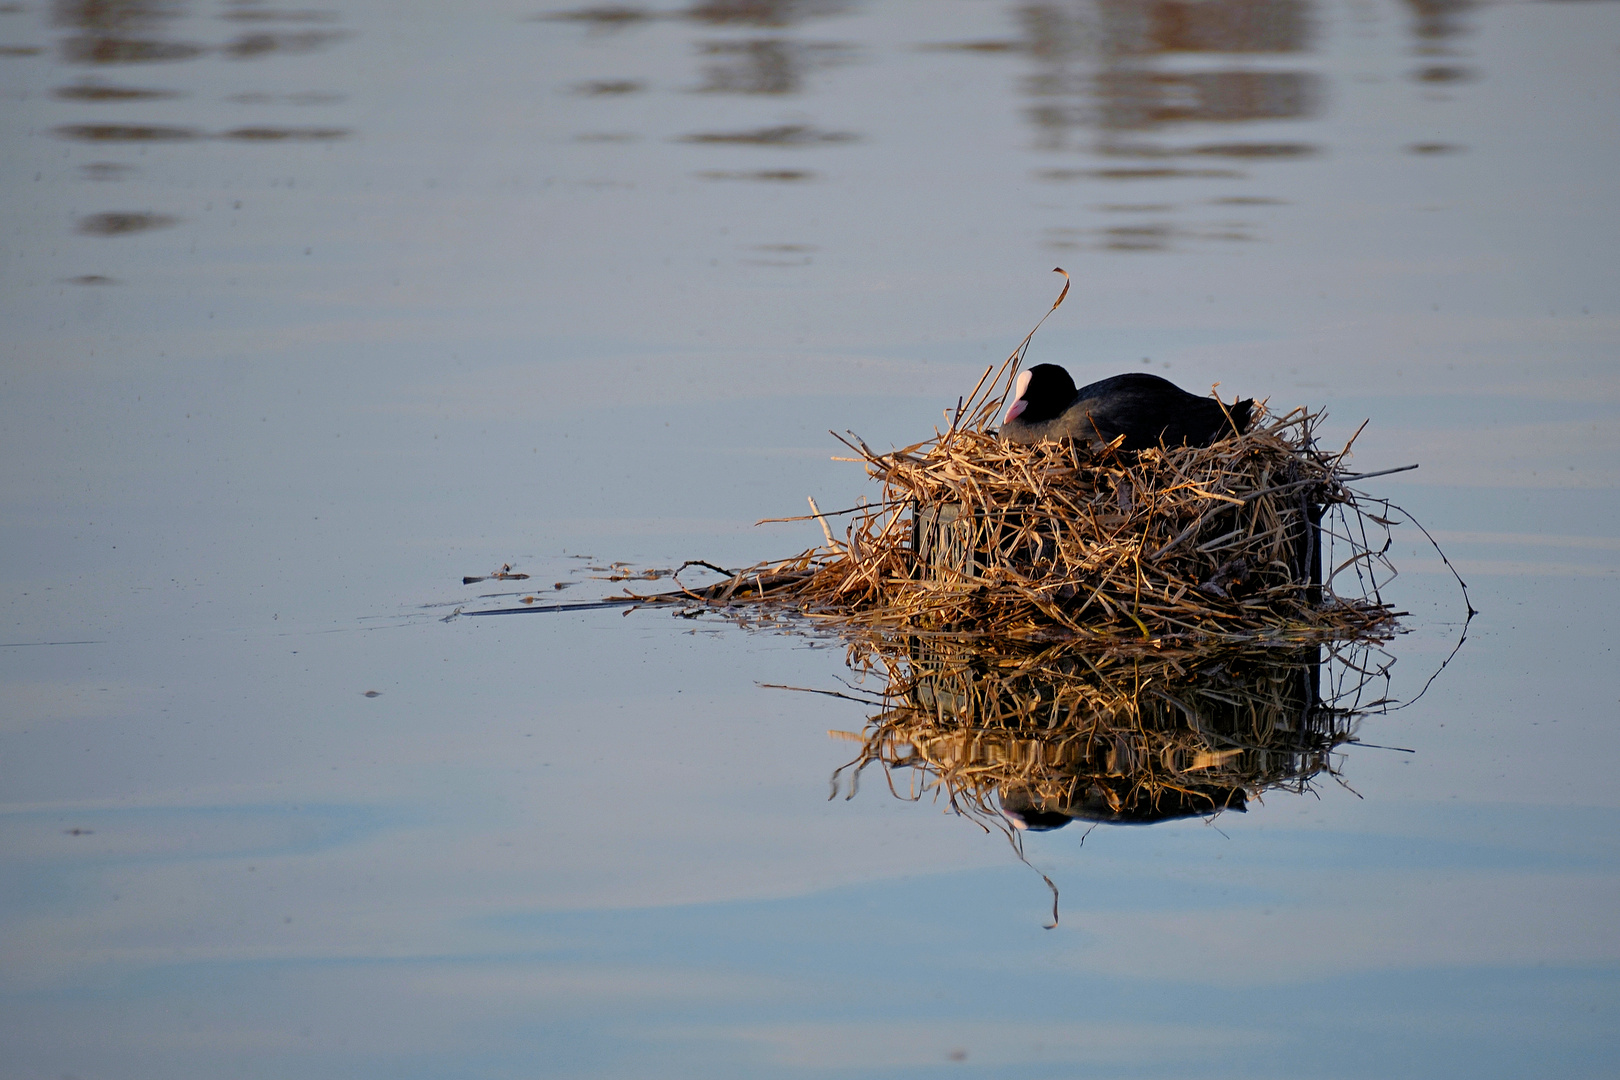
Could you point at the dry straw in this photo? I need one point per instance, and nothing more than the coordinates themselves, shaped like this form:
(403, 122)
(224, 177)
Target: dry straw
(1256, 538)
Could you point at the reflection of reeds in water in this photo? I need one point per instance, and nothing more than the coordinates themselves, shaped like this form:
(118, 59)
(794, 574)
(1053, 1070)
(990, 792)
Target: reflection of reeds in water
(1042, 735)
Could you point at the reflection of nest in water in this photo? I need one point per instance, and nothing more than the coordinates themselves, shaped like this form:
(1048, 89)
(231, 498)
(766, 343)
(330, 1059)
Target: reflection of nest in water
(1047, 734)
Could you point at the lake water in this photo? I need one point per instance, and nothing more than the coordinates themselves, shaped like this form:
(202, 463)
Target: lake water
(310, 311)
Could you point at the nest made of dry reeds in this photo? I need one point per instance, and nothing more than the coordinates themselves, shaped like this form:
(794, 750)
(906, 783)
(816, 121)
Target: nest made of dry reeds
(1256, 537)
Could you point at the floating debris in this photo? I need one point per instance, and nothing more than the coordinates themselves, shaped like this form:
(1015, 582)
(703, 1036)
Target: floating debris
(503, 574)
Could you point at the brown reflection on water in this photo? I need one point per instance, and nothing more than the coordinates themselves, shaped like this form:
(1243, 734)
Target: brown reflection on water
(257, 45)
(116, 50)
(105, 170)
(609, 87)
(1133, 28)
(1149, 172)
(777, 65)
(115, 133)
(1432, 149)
(783, 135)
(1149, 237)
(1136, 208)
(270, 15)
(285, 134)
(781, 255)
(94, 91)
(1141, 100)
(305, 98)
(1096, 65)
(765, 65)
(1040, 735)
(1438, 26)
(988, 46)
(1109, 80)
(755, 13)
(1443, 73)
(121, 31)
(127, 133)
(139, 31)
(1256, 150)
(132, 32)
(602, 16)
(123, 223)
(769, 13)
(776, 176)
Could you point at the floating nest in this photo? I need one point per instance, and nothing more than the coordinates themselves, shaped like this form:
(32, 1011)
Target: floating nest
(1255, 539)
(1258, 539)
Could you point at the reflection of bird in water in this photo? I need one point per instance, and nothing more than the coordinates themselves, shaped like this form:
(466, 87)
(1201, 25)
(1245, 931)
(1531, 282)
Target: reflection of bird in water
(1144, 408)
(1091, 801)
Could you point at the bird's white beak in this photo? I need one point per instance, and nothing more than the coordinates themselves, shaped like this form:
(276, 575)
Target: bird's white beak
(1020, 388)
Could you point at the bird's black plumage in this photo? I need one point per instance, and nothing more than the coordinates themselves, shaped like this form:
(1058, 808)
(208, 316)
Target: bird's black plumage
(1144, 408)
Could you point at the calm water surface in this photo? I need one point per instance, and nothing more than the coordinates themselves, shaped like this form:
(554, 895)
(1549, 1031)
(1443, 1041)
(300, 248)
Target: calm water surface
(312, 310)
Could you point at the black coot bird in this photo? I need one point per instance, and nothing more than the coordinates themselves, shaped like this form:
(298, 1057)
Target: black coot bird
(1144, 408)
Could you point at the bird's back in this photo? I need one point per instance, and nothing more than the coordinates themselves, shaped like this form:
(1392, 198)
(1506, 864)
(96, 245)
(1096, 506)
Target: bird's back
(1146, 409)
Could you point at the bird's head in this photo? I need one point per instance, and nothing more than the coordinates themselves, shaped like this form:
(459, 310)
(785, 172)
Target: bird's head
(1040, 393)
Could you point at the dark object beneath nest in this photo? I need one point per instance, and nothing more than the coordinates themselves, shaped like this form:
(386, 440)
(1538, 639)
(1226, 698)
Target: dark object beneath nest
(1145, 409)
(1117, 804)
